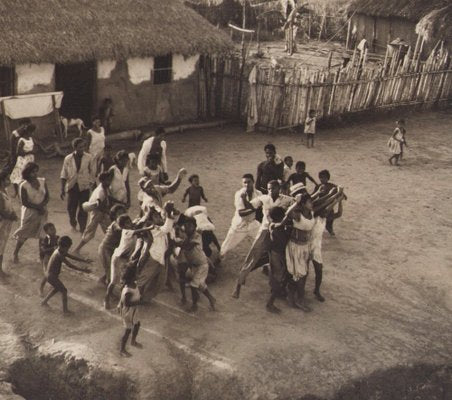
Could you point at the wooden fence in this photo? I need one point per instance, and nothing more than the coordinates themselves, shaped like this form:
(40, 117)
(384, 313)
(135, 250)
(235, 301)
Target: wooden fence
(283, 96)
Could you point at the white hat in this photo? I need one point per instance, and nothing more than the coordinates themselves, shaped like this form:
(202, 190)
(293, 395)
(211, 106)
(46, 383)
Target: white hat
(296, 188)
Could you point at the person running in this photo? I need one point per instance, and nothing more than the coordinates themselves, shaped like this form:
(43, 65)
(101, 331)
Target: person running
(195, 192)
(261, 243)
(7, 216)
(119, 186)
(98, 207)
(128, 308)
(25, 154)
(77, 178)
(244, 222)
(47, 245)
(96, 142)
(34, 196)
(154, 145)
(60, 256)
(269, 170)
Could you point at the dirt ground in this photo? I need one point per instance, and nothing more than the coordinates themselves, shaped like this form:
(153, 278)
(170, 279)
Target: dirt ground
(383, 332)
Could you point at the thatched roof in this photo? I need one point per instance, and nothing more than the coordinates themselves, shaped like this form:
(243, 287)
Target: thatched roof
(63, 31)
(412, 10)
(436, 24)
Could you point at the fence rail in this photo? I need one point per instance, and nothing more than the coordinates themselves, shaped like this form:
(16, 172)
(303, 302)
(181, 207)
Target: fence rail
(282, 97)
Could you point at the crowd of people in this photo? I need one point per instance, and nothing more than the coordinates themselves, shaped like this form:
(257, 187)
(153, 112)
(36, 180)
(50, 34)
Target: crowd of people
(283, 209)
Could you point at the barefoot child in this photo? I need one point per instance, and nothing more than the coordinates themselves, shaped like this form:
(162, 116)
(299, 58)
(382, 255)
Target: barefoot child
(396, 142)
(195, 192)
(128, 308)
(309, 128)
(192, 252)
(60, 256)
(47, 245)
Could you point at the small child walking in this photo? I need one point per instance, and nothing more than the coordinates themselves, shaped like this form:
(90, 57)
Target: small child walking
(396, 142)
(47, 245)
(60, 256)
(309, 128)
(128, 308)
(195, 192)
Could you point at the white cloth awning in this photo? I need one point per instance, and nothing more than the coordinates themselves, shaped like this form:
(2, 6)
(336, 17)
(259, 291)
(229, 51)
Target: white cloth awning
(31, 105)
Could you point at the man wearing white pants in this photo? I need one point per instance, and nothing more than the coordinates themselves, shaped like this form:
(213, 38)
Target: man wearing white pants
(244, 222)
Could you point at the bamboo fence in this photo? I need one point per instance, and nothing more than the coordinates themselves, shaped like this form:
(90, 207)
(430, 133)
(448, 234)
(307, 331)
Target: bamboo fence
(284, 96)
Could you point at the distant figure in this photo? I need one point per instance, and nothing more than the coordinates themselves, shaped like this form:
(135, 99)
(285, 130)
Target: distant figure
(396, 142)
(310, 127)
(106, 114)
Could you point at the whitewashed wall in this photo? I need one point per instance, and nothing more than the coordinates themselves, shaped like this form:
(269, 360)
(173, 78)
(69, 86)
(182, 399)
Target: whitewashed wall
(183, 66)
(32, 75)
(105, 68)
(140, 69)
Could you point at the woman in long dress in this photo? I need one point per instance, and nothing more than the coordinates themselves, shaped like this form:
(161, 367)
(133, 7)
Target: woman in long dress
(25, 154)
(7, 216)
(34, 196)
(96, 143)
(297, 250)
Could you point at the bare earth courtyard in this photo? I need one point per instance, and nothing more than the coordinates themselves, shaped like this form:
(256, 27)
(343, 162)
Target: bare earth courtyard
(385, 326)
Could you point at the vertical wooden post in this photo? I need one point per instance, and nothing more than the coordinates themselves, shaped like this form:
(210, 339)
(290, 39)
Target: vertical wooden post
(330, 57)
(321, 25)
(349, 32)
(5, 123)
(56, 115)
(309, 26)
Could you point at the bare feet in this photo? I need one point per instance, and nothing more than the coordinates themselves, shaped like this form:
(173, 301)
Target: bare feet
(319, 297)
(193, 308)
(124, 353)
(236, 292)
(67, 313)
(212, 302)
(273, 309)
(303, 307)
(136, 344)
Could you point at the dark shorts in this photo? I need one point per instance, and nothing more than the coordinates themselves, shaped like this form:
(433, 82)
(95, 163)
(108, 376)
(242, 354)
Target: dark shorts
(310, 135)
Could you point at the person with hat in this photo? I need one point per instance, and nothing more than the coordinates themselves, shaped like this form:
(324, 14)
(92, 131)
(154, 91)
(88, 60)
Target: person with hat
(119, 187)
(154, 145)
(77, 177)
(300, 175)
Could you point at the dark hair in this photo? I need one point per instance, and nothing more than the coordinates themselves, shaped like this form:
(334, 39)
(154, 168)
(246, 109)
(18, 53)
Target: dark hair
(401, 121)
(4, 173)
(190, 220)
(305, 197)
(30, 128)
(152, 156)
(192, 177)
(129, 274)
(274, 182)
(103, 176)
(122, 219)
(28, 169)
(114, 211)
(248, 176)
(276, 214)
(25, 121)
(76, 142)
(47, 226)
(324, 173)
(108, 146)
(95, 118)
(65, 241)
(160, 131)
(288, 158)
(270, 147)
(311, 111)
(300, 164)
(121, 155)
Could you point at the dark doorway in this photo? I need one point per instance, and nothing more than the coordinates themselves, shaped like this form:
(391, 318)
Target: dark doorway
(78, 82)
(6, 81)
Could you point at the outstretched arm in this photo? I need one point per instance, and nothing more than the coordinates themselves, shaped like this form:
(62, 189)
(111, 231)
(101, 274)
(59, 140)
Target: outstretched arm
(176, 183)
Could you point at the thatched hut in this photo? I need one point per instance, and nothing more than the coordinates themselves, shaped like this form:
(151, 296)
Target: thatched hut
(144, 54)
(379, 22)
(437, 25)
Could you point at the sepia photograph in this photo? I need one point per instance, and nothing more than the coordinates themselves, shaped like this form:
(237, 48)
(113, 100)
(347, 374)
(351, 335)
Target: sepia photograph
(225, 200)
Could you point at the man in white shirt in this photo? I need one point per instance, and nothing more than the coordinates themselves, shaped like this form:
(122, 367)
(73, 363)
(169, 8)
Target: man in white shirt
(153, 145)
(261, 242)
(77, 177)
(244, 222)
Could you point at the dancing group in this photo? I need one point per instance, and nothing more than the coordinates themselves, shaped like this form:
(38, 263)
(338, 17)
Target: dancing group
(142, 255)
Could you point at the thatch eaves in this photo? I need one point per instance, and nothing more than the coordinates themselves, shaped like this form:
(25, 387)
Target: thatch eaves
(436, 25)
(412, 10)
(64, 31)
